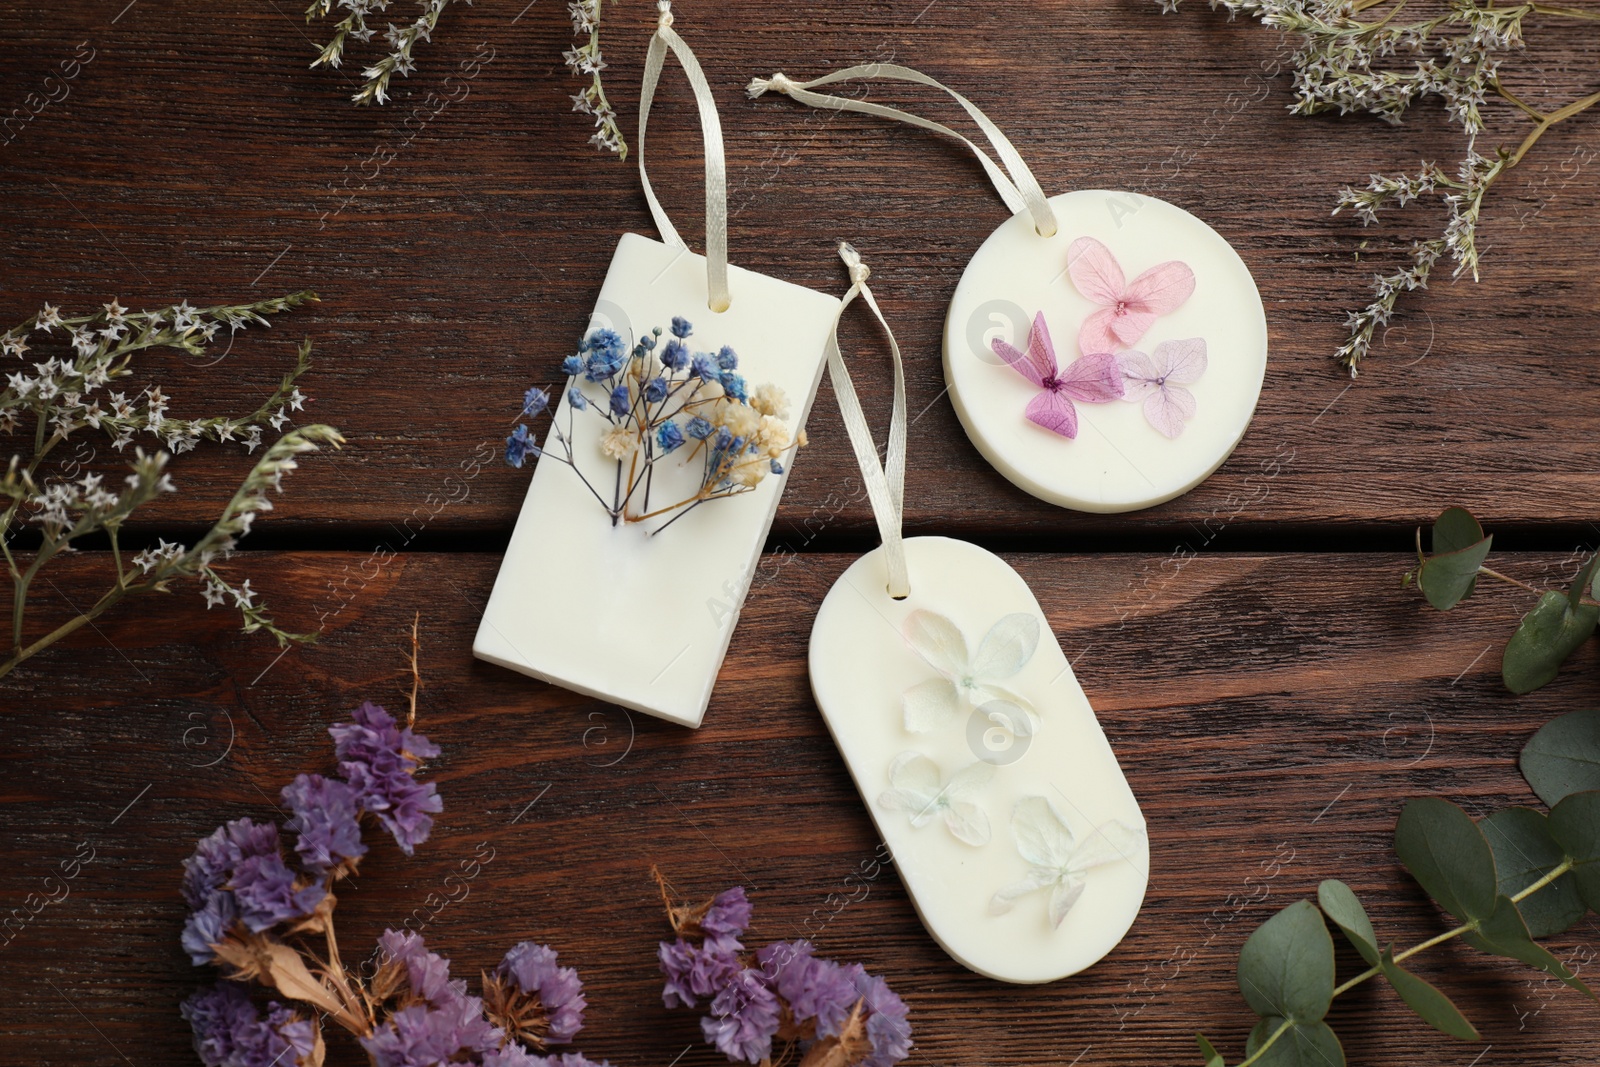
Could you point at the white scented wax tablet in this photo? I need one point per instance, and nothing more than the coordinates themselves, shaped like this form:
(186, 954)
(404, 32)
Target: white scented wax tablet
(641, 613)
(981, 761)
(1113, 365)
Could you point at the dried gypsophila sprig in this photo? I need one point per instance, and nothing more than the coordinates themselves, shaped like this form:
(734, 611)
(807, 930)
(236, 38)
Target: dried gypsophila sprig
(400, 39)
(587, 61)
(59, 398)
(1346, 64)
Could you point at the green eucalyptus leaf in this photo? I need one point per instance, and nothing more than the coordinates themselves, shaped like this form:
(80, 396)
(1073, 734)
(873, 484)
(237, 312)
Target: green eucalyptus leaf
(1213, 1057)
(1575, 825)
(1581, 584)
(1424, 998)
(1448, 856)
(1564, 757)
(1449, 578)
(1524, 852)
(1286, 965)
(1340, 904)
(1504, 933)
(1455, 529)
(1310, 1044)
(1551, 632)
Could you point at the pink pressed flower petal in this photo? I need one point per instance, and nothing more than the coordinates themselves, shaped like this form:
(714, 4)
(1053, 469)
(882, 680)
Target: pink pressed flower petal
(1095, 271)
(1182, 361)
(1168, 408)
(1161, 288)
(1131, 325)
(1017, 360)
(1139, 375)
(1094, 379)
(1095, 334)
(1041, 352)
(1054, 412)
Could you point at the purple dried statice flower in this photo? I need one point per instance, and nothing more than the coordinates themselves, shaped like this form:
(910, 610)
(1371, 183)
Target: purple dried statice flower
(216, 856)
(534, 999)
(815, 990)
(378, 759)
(326, 813)
(206, 927)
(230, 1032)
(887, 1027)
(267, 893)
(694, 973)
(744, 1018)
(409, 968)
(515, 1055)
(725, 920)
(425, 1035)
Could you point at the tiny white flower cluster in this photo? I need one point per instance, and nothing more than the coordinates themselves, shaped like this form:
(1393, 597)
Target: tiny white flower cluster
(586, 60)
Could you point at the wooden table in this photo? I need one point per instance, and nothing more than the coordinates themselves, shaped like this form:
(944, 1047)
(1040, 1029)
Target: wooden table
(1272, 692)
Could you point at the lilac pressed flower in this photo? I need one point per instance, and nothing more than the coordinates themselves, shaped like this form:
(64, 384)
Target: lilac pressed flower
(557, 1015)
(265, 890)
(694, 973)
(427, 973)
(424, 1035)
(815, 990)
(681, 327)
(377, 758)
(887, 1027)
(726, 918)
(744, 1018)
(621, 401)
(516, 1056)
(534, 401)
(669, 436)
(326, 813)
(216, 856)
(229, 1031)
(208, 925)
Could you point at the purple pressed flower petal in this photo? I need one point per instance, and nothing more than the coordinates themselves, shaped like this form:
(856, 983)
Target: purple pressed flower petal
(216, 856)
(264, 888)
(744, 1018)
(326, 815)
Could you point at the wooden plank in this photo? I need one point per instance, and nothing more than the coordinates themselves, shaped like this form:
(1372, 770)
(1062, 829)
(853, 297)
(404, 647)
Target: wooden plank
(1271, 712)
(459, 248)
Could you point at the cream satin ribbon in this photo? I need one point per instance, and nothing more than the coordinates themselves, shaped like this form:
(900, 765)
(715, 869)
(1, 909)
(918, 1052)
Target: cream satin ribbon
(1020, 191)
(716, 167)
(886, 486)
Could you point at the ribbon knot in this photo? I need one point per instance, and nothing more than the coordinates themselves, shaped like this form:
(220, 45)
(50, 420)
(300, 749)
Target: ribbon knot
(859, 271)
(778, 81)
(665, 7)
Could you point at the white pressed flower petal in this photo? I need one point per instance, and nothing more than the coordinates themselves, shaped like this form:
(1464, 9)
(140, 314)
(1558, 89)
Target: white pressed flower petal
(1036, 879)
(1063, 897)
(936, 639)
(1007, 647)
(969, 780)
(914, 771)
(1110, 842)
(1043, 838)
(931, 705)
(967, 821)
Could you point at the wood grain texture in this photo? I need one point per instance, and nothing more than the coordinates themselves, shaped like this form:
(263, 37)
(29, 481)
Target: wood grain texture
(460, 249)
(1271, 713)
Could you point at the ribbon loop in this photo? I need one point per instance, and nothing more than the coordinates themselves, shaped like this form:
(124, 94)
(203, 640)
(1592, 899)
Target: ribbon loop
(1020, 190)
(716, 166)
(886, 483)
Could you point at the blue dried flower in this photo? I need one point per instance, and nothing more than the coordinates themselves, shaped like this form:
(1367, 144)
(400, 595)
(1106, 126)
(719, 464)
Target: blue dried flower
(326, 813)
(520, 445)
(378, 759)
(532, 969)
(576, 398)
(572, 365)
(703, 367)
(267, 894)
(744, 1018)
(655, 390)
(675, 356)
(681, 326)
(727, 358)
(534, 401)
(777, 468)
(621, 401)
(605, 343)
(648, 341)
(230, 1032)
(669, 436)
(733, 385)
(700, 429)
(725, 439)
